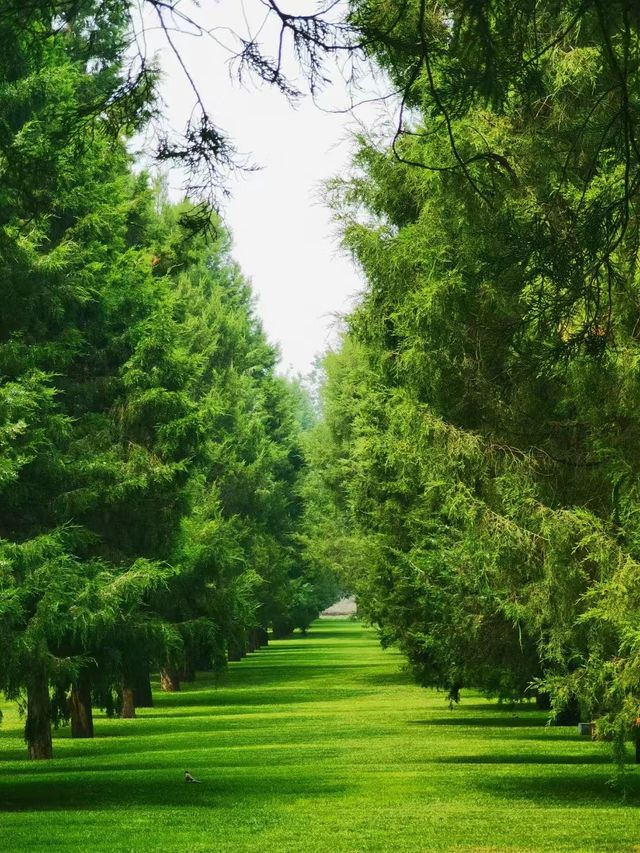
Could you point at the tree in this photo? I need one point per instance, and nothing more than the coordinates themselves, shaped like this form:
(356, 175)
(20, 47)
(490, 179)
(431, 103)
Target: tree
(77, 286)
(486, 382)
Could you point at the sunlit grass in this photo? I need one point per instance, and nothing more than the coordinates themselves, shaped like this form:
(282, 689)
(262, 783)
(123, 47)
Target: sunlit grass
(316, 744)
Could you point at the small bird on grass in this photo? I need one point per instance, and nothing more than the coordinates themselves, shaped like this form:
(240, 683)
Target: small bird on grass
(189, 778)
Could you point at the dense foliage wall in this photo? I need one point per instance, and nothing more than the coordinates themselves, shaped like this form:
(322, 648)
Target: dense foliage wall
(482, 414)
(151, 459)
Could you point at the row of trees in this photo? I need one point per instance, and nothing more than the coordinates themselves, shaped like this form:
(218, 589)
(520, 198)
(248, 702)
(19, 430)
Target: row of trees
(475, 474)
(478, 460)
(150, 457)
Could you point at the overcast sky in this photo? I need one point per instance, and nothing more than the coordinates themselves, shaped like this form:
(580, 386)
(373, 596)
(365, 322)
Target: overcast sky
(283, 235)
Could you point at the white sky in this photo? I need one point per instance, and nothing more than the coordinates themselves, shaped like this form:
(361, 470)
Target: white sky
(284, 238)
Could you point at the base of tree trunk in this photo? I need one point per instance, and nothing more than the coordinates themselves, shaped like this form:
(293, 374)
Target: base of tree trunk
(236, 649)
(282, 630)
(570, 715)
(188, 673)
(37, 731)
(543, 701)
(169, 680)
(40, 750)
(263, 637)
(142, 695)
(128, 711)
(80, 708)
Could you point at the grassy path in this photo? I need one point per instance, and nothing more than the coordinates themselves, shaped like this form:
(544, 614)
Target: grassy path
(316, 744)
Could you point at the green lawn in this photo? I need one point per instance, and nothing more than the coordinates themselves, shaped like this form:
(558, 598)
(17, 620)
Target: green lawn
(316, 744)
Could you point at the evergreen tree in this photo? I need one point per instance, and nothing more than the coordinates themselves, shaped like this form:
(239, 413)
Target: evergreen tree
(482, 408)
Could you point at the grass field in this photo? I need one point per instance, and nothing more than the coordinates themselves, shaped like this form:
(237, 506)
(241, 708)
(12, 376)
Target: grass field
(316, 744)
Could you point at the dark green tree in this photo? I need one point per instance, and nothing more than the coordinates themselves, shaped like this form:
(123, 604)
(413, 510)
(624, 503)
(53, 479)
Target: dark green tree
(480, 415)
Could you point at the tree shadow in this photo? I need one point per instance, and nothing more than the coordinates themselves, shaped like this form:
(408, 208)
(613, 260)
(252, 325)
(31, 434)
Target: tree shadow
(270, 676)
(554, 734)
(479, 722)
(271, 696)
(504, 708)
(13, 753)
(90, 790)
(349, 630)
(520, 758)
(569, 789)
(386, 678)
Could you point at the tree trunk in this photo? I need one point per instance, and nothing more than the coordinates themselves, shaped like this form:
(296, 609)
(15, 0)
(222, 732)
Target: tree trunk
(142, 695)
(263, 637)
(254, 640)
(128, 703)
(543, 701)
(235, 649)
(570, 714)
(80, 707)
(37, 731)
(188, 672)
(203, 663)
(636, 733)
(169, 680)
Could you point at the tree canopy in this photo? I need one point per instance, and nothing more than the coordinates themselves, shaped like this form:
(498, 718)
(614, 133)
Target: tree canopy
(165, 496)
(481, 414)
(151, 459)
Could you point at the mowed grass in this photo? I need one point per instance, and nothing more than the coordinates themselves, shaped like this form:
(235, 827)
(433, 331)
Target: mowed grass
(316, 744)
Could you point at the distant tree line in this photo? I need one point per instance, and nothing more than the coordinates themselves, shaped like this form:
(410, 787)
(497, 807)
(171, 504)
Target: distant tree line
(151, 460)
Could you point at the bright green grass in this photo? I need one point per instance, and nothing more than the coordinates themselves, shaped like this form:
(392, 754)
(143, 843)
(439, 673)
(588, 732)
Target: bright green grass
(316, 744)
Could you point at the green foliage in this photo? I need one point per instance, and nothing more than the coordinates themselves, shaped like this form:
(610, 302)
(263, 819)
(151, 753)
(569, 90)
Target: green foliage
(149, 455)
(480, 422)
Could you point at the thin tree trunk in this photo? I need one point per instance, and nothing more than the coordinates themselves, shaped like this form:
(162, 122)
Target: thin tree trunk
(128, 703)
(37, 732)
(80, 707)
(636, 733)
(169, 680)
(142, 695)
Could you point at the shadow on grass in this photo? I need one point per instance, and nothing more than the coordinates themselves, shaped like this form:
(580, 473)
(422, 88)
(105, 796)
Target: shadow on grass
(350, 630)
(269, 676)
(165, 788)
(552, 734)
(272, 696)
(569, 789)
(533, 758)
(390, 678)
(505, 708)
(13, 754)
(501, 722)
